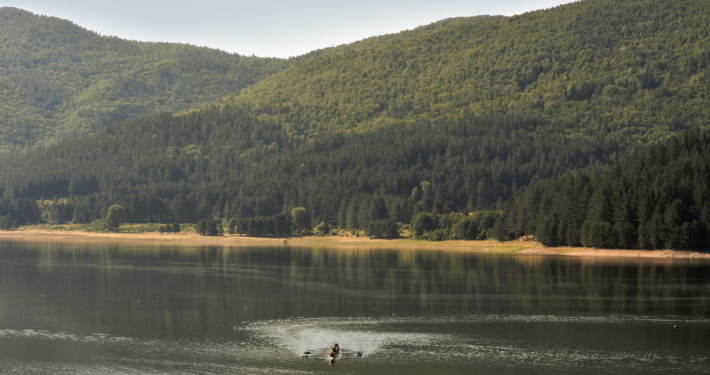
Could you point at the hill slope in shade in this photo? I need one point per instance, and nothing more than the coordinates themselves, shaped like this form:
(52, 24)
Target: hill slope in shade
(657, 198)
(58, 80)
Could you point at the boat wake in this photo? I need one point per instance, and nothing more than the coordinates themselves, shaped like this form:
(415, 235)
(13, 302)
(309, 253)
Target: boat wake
(489, 343)
(412, 341)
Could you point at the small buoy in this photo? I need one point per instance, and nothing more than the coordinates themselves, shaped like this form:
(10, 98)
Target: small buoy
(245, 307)
(674, 326)
(43, 296)
(139, 301)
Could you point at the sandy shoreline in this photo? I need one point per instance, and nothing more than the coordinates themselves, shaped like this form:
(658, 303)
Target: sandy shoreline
(191, 239)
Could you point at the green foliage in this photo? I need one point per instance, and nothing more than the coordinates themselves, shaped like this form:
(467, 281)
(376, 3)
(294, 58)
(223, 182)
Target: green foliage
(637, 68)
(115, 216)
(167, 228)
(479, 225)
(301, 220)
(547, 231)
(207, 227)
(656, 198)
(212, 228)
(17, 212)
(83, 213)
(57, 212)
(499, 232)
(441, 234)
(382, 229)
(423, 222)
(60, 81)
(276, 225)
(485, 221)
(322, 229)
(596, 233)
(466, 229)
(378, 209)
(232, 226)
(450, 219)
(182, 208)
(6, 223)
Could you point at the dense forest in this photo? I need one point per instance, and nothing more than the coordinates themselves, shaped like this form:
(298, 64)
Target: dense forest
(596, 66)
(486, 127)
(60, 81)
(657, 198)
(225, 162)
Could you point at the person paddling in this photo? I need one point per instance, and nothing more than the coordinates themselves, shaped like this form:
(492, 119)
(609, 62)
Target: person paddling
(334, 350)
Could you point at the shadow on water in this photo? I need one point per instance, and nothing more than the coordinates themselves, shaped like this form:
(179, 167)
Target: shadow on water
(159, 309)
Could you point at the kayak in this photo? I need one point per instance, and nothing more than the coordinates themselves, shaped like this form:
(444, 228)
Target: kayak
(331, 357)
(338, 356)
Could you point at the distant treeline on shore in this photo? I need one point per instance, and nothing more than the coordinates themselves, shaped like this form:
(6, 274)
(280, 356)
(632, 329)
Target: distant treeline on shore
(655, 198)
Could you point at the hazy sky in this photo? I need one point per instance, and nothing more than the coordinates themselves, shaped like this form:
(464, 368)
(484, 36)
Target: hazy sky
(279, 28)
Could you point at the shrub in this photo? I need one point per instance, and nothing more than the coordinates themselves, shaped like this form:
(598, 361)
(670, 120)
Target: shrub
(382, 229)
(466, 229)
(437, 235)
(422, 222)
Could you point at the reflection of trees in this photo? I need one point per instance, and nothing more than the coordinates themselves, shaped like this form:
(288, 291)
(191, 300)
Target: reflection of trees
(204, 290)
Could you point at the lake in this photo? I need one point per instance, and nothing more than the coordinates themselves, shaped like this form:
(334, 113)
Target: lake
(86, 308)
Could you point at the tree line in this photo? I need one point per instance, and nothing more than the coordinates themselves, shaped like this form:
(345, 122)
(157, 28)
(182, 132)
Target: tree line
(223, 163)
(655, 199)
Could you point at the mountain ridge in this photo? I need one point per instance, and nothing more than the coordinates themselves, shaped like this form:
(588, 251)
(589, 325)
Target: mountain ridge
(62, 81)
(45, 101)
(576, 59)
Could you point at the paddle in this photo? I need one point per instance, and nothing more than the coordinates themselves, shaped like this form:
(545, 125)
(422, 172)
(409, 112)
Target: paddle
(342, 354)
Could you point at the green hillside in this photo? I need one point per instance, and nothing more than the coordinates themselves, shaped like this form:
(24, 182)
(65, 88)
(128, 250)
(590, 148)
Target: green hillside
(60, 81)
(225, 162)
(656, 199)
(597, 66)
(458, 116)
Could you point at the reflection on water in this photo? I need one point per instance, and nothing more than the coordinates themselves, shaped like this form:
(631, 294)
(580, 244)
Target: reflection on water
(88, 308)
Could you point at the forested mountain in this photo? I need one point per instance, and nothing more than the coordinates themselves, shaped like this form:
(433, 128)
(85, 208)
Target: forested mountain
(657, 198)
(596, 66)
(227, 162)
(60, 81)
(458, 116)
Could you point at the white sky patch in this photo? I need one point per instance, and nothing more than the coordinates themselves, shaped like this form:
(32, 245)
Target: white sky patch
(270, 28)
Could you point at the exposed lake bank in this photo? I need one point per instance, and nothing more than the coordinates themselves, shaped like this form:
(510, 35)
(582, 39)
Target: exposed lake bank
(192, 239)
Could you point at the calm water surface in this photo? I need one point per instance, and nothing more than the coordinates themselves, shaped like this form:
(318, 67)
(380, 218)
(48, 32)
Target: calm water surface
(108, 308)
